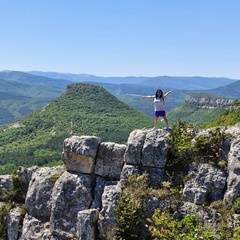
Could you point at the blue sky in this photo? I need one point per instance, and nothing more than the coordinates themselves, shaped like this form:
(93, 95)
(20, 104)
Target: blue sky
(122, 37)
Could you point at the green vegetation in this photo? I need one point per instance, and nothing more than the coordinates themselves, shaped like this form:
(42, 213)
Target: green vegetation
(164, 226)
(131, 208)
(83, 109)
(131, 211)
(204, 149)
(4, 210)
(191, 113)
(203, 95)
(10, 198)
(135, 222)
(231, 90)
(18, 98)
(131, 95)
(236, 206)
(228, 117)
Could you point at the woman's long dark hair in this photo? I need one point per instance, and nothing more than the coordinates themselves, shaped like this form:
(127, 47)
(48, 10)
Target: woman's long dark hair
(156, 95)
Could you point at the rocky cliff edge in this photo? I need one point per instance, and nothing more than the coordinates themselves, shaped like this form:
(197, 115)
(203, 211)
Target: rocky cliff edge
(77, 200)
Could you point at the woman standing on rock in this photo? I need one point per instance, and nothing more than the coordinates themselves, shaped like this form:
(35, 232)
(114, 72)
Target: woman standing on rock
(159, 110)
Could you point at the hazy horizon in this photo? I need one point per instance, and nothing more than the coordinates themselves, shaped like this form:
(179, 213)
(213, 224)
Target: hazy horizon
(122, 38)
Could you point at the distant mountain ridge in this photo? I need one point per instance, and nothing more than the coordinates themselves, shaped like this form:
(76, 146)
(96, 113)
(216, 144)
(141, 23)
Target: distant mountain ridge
(231, 90)
(183, 83)
(23, 77)
(188, 83)
(90, 78)
(22, 92)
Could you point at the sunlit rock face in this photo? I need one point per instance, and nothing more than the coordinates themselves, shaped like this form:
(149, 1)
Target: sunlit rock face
(78, 200)
(209, 102)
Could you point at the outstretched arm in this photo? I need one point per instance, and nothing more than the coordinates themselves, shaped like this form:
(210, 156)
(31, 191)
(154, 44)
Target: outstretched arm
(149, 97)
(167, 93)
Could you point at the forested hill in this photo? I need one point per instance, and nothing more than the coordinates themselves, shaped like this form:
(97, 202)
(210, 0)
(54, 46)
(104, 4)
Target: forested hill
(83, 109)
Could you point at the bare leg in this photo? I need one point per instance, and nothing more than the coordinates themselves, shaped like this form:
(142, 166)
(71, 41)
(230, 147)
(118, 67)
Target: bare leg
(155, 122)
(165, 120)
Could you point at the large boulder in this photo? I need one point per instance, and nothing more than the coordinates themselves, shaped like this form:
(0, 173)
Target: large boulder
(147, 148)
(39, 196)
(133, 154)
(110, 160)
(206, 184)
(107, 217)
(154, 151)
(5, 185)
(79, 153)
(14, 219)
(72, 193)
(87, 224)
(34, 228)
(233, 180)
(24, 174)
(146, 152)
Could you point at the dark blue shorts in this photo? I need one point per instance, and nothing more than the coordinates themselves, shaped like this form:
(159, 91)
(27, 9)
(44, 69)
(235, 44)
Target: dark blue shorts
(159, 113)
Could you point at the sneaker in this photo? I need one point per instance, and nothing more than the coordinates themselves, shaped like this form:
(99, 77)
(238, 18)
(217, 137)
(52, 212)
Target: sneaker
(168, 129)
(154, 128)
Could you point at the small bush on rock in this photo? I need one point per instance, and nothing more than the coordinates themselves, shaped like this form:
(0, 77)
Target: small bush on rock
(4, 210)
(130, 209)
(186, 146)
(164, 226)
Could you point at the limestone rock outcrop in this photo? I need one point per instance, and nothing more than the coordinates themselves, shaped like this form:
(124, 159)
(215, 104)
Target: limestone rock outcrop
(78, 200)
(209, 102)
(206, 184)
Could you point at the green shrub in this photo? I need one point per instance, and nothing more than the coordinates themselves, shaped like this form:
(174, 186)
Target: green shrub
(184, 148)
(163, 226)
(236, 206)
(180, 147)
(18, 190)
(130, 210)
(56, 176)
(4, 210)
(208, 149)
(236, 233)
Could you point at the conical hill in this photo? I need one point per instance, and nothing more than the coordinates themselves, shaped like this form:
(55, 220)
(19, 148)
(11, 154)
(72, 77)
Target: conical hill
(83, 109)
